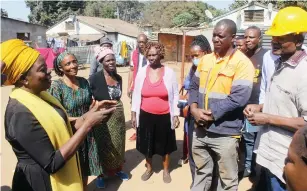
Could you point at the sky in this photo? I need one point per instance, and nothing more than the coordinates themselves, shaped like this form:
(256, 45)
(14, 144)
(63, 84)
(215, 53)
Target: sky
(17, 8)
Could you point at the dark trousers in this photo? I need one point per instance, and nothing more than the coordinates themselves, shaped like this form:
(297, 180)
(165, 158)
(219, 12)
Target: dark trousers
(269, 182)
(250, 157)
(190, 123)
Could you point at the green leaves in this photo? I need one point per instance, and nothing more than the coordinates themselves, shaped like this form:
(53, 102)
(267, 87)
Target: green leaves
(157, 13)
(183, 19)
(48, 13)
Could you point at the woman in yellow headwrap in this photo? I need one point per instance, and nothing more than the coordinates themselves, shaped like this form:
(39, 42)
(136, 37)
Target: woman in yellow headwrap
(37, 126)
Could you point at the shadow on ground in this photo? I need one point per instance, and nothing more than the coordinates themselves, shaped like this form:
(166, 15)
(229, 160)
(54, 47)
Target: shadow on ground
(133, 159)
(5, 188)
(128, 125)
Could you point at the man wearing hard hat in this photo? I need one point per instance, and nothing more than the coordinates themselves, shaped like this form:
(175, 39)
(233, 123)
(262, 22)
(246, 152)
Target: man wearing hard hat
(285, 106)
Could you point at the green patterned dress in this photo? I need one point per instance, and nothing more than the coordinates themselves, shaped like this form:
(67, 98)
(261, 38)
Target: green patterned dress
(76, 103)
(109, 138)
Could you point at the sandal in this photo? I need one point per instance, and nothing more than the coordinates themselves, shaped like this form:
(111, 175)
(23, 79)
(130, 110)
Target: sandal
(100, 183)
(167, 177)
(147, 174)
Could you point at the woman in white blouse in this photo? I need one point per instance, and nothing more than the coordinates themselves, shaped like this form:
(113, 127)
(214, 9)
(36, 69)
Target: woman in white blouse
(154, 110)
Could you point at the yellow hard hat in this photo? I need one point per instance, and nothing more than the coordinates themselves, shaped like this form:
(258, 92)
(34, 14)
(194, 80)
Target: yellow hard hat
(288, 20)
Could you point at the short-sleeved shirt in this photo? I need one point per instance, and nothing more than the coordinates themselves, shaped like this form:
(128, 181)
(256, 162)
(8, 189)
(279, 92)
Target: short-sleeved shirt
(76, 102)
(285, 96)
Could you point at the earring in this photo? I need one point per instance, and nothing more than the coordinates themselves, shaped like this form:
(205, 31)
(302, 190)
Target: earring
(27, 83)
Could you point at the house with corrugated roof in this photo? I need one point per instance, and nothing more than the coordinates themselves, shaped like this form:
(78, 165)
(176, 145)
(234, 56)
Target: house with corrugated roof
(89, 30)
(250, 14)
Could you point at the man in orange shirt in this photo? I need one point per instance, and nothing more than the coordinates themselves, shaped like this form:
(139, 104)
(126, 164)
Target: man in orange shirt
(220, 89)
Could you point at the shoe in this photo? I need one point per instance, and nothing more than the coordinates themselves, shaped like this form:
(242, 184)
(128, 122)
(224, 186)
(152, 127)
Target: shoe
(122, 175)
(147, 174)
(133, 137)
(100, 183)
(167, 177)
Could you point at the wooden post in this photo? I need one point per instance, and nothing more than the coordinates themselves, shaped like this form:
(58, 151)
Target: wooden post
(182, 58)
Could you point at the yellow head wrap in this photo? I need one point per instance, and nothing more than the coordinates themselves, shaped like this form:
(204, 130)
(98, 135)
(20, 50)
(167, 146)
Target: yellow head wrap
(18, 59)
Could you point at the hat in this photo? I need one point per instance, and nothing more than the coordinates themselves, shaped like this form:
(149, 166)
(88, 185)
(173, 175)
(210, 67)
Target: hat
(101, 52)
(18, 59)
(105, 40)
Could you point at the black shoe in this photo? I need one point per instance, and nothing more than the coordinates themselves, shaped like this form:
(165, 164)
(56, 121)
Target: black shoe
(246, 173)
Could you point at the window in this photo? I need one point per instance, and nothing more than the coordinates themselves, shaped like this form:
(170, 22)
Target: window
(253, 15)
(23, 36)
(69, 25)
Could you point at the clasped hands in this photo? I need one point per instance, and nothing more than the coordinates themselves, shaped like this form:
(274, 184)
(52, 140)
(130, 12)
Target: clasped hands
(202, 116)
(254, 115)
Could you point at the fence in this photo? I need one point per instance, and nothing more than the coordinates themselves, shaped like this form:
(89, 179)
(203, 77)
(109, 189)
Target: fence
(85, 54)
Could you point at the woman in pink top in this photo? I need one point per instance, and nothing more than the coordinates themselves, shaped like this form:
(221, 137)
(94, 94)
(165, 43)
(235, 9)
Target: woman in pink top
(154, 110)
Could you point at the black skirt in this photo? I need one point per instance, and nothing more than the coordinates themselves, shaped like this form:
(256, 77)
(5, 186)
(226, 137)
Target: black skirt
(155, 135)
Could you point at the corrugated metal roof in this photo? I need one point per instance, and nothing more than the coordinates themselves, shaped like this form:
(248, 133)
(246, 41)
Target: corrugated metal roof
(178, 31)
(86, 37)
(111, 25)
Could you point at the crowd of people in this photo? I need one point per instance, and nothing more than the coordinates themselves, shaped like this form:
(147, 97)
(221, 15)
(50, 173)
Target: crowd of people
(235, 92)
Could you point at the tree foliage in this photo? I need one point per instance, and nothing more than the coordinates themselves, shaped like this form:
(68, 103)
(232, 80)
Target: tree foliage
(183, 19)
(160, 14)
(48, 13)
(276, 4)
(129, 11)
(157, 13)
(4, 13)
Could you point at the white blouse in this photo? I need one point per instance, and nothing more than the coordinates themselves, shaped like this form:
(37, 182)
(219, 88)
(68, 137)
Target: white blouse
(171, 85)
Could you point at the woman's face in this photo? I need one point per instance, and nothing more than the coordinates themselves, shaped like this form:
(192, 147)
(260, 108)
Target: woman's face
(153, 56)
(69, 65)
(109, 63)
(38, 78)
(196, 52)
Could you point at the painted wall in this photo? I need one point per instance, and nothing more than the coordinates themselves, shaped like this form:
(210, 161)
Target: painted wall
(238, 18)
(80, 28)
(112, 37)
(122, 37)
(10, 28)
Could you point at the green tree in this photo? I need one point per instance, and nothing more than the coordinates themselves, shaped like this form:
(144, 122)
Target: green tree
(100, 9)
(159, 14)
(129, 11)
(48, 13)
(183, 19)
